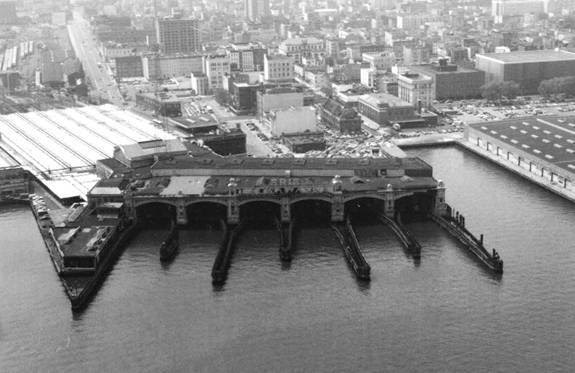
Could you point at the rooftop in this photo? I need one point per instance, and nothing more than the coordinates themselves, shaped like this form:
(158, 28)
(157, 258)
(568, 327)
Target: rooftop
(384, 98)
(531, 56)
(551, 139)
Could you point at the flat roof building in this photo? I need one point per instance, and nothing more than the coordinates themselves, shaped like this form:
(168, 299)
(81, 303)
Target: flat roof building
(527, 68)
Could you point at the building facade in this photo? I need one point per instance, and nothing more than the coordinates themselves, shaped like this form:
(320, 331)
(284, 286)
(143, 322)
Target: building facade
(255, 10)
(527, 68)
(162, 67)
(278, 68)
(178, 35)
(341, 116)
(216, 66)
(417, 89)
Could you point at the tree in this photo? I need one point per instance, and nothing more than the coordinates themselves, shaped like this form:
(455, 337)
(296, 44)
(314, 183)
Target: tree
(491, 91)
(509, 89)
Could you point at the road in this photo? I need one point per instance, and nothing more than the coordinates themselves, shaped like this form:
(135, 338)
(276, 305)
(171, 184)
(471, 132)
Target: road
(93, 63)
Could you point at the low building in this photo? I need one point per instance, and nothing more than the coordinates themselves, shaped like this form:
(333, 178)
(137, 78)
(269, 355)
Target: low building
(14, 181)
(340, 115)
(163, 103)
(385, 109)
(291, 120)
(526, 68)
(452, 81)
(145, 153)
(129, 67)
(243, 97)
(304, 142)
(278, 99)
(225, 141)
(162, 67)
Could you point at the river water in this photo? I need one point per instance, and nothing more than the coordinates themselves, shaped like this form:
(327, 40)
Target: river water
(445, 313)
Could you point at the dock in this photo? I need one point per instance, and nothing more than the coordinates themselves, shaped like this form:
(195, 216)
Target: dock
(286, 231)
(455, 226)
(225, 253)
(403, 235)
(351, 250)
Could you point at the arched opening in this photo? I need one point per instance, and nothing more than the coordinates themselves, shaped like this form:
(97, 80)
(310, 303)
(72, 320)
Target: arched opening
(156, 214)
(260, 213)
(364, 209)
(311, 212)
(206, 212)
(414, 208)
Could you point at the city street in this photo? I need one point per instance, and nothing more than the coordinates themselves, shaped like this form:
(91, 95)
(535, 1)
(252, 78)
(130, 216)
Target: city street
(96, 70)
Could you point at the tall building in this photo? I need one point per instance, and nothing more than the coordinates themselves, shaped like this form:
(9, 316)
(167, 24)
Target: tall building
(254, 10)
(178, 35)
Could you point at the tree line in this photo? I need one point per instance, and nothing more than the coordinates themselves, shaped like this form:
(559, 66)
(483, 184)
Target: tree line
(557, 87)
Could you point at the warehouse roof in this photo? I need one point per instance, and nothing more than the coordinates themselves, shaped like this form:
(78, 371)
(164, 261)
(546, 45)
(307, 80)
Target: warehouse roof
(531, 56)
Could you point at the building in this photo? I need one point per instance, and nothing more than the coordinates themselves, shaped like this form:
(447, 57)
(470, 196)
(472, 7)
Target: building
(280, 98)
(243, 97)
(215, 67)
(527, 68)
(341, 116)
(379, 60)
(163, 103)
(14, 181)
(311, 48)
(278, 68)
(8, 12)
(246, 57)
(509, 8)
(225, 141)
(129, 67)
(452, 81)
(292, 120)
(304, 142)
(255, 10)
(541, 147)
(157, 67)
(145, 153)
(385, 109)
(417, 89)
(200, 83)
(416, 55)
(178, 35)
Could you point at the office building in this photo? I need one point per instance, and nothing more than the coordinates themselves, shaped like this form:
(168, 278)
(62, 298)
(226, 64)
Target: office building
(178, 35)
(255, 10)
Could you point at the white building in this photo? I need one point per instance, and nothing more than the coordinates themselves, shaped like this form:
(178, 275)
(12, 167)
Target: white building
(311, 47)
(417, 89)
(200, 83)
(216, 66)
(278, 68)
(379, 60)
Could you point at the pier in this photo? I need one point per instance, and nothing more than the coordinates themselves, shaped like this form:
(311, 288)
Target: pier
(286, 231)
(454, 224)
(351, 250)
(225, 253)
(403, 235)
